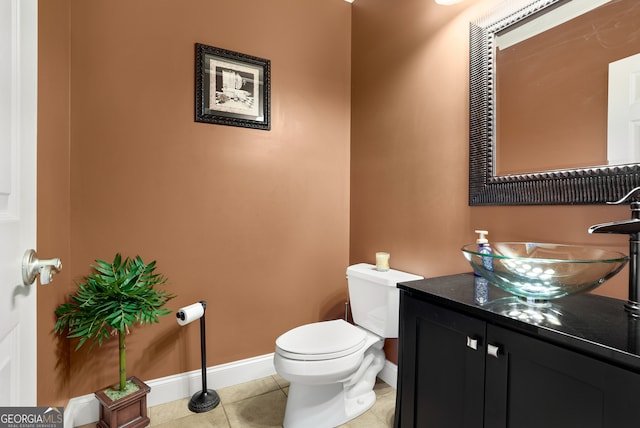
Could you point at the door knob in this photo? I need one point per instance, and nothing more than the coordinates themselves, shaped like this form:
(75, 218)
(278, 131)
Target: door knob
(32, 267)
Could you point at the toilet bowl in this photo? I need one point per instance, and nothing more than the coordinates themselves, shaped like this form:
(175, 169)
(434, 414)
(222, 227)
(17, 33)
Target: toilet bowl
(332, 365)
(328, 388)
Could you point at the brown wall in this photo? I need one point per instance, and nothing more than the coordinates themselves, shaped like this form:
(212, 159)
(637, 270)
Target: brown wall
(257, 223)
(254, 222)
(54, 194)
(409, 148)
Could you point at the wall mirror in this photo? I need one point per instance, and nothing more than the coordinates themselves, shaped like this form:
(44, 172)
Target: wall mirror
(547, 125)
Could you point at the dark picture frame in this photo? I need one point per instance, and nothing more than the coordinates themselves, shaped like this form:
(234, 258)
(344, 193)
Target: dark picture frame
(232, 88)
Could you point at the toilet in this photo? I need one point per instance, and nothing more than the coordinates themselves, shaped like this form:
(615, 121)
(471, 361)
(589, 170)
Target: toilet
(332, 366)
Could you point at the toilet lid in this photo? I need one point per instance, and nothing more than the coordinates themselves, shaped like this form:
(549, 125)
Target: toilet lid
(321, 341)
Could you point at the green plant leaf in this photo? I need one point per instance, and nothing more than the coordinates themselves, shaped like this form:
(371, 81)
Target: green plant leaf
(115, 296)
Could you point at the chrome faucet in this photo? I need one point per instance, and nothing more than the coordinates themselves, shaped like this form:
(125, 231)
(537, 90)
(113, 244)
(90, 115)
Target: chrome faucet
(629, 227)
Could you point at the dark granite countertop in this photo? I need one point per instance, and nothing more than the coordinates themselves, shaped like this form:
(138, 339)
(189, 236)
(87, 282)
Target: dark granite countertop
(595, 325)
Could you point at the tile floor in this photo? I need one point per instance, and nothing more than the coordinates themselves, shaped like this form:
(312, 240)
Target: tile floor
(260, 404)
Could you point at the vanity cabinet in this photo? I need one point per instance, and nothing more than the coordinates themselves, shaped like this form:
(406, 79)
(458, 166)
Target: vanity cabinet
(440, 375)
(463, 365)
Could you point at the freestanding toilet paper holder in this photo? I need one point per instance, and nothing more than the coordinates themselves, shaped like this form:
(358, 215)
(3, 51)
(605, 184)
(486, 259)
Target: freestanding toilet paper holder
(207, 399)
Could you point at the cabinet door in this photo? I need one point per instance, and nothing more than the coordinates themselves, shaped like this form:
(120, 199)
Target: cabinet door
(441, 367)
(533, 384)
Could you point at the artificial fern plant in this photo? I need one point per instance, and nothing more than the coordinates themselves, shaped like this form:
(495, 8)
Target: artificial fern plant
(112, 299)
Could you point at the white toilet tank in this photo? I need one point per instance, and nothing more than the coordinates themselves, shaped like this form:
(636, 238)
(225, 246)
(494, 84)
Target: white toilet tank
(375, 299)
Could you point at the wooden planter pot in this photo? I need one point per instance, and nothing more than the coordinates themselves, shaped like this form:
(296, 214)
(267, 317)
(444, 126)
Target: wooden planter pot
(127, 412)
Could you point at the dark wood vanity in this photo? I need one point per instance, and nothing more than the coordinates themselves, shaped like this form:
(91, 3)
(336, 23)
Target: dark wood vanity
(574, 363)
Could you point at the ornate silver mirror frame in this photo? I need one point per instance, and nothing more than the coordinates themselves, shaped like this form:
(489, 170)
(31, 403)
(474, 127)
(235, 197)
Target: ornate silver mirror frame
(595, 185)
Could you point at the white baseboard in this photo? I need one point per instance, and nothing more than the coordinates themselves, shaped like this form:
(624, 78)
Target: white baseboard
(389, 374)
(84, 410)
(81, 410)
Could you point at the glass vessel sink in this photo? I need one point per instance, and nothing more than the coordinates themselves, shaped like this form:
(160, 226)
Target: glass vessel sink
(541, 272)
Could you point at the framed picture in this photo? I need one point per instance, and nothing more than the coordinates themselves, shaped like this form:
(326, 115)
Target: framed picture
(232, 88)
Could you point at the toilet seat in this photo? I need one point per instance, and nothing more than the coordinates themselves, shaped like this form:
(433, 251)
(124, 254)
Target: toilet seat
(323, 340)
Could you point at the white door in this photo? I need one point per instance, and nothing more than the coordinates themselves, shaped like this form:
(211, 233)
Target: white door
(18, 101)
(623, 142)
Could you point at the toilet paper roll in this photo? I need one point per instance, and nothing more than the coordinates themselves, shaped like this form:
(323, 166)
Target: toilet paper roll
(190, 313)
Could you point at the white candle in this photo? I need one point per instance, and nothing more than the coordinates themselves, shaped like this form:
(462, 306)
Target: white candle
(382, 262)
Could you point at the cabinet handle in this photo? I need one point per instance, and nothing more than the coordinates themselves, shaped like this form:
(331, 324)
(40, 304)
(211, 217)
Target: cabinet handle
(472, 343)
(493, 350)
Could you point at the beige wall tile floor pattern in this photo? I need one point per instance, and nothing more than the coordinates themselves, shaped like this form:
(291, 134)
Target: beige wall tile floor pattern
(260, 404)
